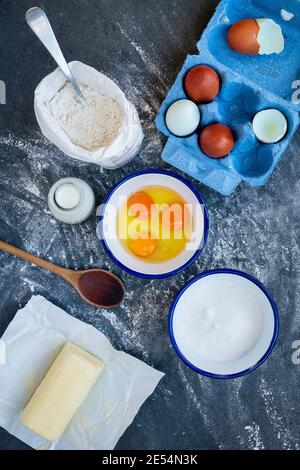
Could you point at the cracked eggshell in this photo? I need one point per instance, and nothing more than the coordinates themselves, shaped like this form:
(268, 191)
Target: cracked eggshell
(270, 126)
(256, 36)
(286, 15)
(270, 37)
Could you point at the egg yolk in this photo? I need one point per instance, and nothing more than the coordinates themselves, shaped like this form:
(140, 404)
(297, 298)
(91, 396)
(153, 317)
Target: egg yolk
(140, 205)
(144, 245)
(173, 216)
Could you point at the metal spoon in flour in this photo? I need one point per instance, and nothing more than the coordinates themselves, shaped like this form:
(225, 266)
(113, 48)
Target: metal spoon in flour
(40, 25)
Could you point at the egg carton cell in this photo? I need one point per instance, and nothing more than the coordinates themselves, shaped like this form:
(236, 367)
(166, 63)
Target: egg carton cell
(249, 84)
(275, 72)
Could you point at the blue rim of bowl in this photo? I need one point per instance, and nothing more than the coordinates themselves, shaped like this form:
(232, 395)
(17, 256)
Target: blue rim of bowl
(196, 253)
(273, 340)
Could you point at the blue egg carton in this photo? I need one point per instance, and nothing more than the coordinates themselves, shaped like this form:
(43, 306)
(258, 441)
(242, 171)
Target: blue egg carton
(249, 84)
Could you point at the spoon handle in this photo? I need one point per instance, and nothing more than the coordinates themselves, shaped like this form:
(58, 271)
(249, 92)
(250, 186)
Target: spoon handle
(38, 21)
(65, 273)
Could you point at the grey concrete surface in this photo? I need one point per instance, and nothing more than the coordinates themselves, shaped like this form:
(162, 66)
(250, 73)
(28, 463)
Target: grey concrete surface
(141, 45)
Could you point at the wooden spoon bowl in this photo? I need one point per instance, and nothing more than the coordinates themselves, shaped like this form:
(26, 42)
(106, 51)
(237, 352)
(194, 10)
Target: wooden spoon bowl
(98, 287)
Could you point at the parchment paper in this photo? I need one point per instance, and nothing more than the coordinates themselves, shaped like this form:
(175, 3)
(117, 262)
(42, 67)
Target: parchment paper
(32, 341)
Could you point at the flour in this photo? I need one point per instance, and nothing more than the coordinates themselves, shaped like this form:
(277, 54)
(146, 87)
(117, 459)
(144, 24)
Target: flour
(92, 125)
(106, 131)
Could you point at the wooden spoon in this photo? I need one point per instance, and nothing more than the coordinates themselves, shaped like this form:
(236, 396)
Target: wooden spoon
(97, 287)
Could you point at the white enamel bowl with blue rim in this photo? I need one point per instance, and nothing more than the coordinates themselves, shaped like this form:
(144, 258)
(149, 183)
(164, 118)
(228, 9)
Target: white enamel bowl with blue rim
(107, 223)
(188, 302)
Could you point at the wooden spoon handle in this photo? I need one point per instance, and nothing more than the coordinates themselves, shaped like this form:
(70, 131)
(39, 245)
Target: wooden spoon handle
(35, 260)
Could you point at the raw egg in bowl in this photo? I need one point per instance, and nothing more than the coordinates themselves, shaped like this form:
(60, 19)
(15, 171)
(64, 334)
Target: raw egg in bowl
(153, 224)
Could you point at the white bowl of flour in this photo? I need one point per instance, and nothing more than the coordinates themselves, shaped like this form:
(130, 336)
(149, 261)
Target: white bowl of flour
(105, 131)
(224, 324)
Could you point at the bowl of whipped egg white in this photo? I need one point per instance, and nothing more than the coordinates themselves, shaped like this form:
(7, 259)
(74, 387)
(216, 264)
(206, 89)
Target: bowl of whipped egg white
(224, 324)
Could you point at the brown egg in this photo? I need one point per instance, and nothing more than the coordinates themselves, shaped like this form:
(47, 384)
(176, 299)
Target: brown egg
(216, 140)
(242, 36)
(202, 84)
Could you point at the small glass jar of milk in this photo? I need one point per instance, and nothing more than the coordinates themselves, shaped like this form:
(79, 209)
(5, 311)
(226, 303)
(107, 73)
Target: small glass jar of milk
(71, 200)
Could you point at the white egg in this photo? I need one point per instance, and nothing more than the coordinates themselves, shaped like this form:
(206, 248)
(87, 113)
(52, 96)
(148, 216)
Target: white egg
(270, 126)
(183, 118)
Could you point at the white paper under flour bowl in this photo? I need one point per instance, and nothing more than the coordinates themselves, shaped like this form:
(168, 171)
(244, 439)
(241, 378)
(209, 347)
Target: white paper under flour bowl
(130, 137)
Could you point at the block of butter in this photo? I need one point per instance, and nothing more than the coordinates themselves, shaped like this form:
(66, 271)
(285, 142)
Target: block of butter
(62, 391)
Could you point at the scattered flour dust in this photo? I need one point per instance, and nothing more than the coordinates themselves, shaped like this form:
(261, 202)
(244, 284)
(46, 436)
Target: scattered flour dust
(195, 398)
(36, 147)
(31, 284)
(276, 421)
(255, 440)
(92, 125)
(143, 55)
(128, 336)
(32, 188)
